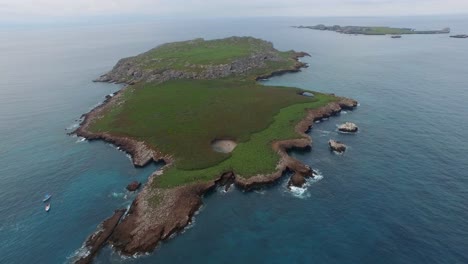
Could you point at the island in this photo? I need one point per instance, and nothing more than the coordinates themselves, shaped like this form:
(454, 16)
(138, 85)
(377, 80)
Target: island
(367, 30)
(459, 36)
(198, 107)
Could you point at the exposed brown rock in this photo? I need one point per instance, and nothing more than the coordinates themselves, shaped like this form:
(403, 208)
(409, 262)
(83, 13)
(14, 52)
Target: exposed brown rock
(133, 186)
(156, 214)
(296, 68)
(297, 180)
(97, 240)
(348, 127)
(336, 146)
(226, 180)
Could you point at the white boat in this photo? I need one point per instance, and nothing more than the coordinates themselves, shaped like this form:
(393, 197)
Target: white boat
(47, 207)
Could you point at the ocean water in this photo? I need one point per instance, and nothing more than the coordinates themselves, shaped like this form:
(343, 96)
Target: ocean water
(398, 195)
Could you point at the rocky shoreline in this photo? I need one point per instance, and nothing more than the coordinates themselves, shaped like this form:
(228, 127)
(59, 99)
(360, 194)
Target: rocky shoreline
(146, 225)
(98, 239)
(158, 213)
(132, 70)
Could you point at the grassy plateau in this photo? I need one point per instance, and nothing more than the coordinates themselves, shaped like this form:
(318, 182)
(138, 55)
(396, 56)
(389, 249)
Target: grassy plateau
(182, 117)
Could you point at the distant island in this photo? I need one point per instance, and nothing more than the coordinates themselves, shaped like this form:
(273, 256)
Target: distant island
(459, 36)
(197, 106)
(366, 30)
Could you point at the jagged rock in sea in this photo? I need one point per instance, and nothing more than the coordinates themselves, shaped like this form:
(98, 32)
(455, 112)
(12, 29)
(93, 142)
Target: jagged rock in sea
(299, 177)
(297, 180)
(133, 186)
(348, 127)
(336, 146)
(98, 239)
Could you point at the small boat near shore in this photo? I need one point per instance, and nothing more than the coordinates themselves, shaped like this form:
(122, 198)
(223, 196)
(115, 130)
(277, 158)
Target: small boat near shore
(396, 36)
(46, 198)
(47, 207)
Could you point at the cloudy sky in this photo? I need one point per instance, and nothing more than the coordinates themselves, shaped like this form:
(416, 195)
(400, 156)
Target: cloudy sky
(22, 9)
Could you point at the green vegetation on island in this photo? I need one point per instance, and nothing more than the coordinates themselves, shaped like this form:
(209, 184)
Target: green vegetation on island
(366, 30)
(198, 106)
(188, 94)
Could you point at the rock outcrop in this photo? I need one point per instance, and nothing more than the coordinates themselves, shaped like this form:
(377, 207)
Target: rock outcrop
(135, 69)
(348, 127)
(336, 146)
(158, 213)
(97, 240)
(133, 186)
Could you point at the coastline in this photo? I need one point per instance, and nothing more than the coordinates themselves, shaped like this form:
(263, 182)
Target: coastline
(145, 225)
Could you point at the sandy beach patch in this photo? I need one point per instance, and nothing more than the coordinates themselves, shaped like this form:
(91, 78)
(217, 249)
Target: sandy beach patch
(223, 145)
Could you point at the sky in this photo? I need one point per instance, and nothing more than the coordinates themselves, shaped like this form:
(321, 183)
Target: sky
(18, 10)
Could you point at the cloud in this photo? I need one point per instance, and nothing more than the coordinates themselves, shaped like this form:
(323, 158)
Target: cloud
(213, 8)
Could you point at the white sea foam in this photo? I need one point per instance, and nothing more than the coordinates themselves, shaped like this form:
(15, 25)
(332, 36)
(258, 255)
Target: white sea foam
(73, 126)
(260, 191)
(303, 192)
(222, 189)
(117, 195)
(344, 132)
(82, 252)
(298, 191)
(338, 153)
(129, 156)
(191, 224)
(80, 139)
(323, 131)
(344, 112)
(317, 121)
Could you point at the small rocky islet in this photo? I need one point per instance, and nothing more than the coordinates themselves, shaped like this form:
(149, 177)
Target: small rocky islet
(372, 30)
(133, 186)
(348, 127)
(337, 146)
(194, 91)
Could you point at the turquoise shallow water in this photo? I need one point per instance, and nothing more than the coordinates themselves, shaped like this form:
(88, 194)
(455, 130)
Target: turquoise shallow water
(398, 195)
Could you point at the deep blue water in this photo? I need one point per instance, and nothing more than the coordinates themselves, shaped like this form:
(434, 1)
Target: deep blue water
(398, 195)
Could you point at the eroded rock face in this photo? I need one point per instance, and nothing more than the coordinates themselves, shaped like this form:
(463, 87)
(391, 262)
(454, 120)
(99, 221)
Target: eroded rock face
(336, 146)
(134, 69)
(297, 180)
(155, 215)
(98, 239)
(226, 180)
(133, 186)
(348, 127)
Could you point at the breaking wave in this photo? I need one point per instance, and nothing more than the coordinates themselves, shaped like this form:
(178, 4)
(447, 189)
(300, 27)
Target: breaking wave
(303, 192)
